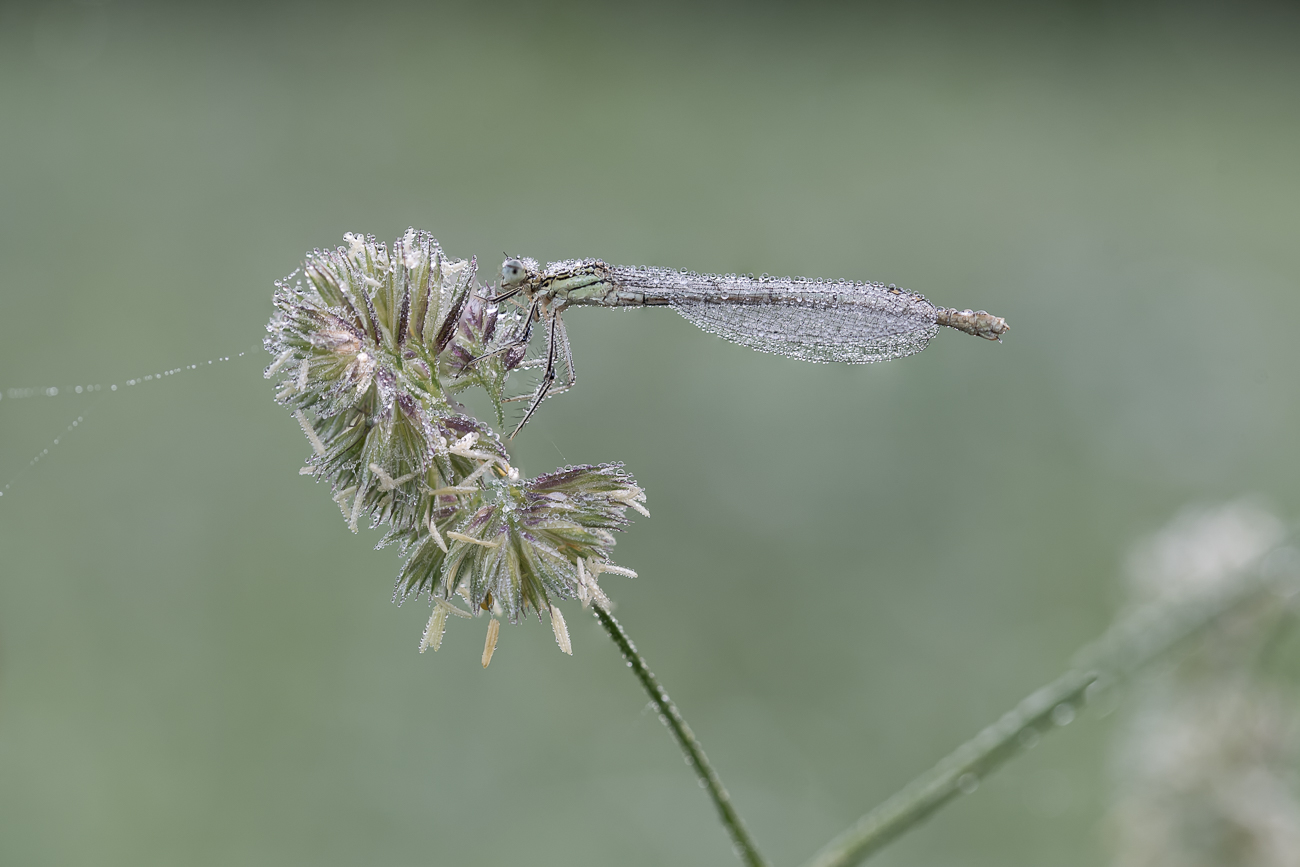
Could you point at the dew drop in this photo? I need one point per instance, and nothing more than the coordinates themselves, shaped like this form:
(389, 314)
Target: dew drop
(1063, 714)
(968, 783)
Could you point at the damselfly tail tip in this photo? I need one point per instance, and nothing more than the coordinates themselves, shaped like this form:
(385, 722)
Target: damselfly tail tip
(977, 322)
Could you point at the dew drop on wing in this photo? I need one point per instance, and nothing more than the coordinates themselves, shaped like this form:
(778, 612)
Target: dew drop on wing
(855, 324)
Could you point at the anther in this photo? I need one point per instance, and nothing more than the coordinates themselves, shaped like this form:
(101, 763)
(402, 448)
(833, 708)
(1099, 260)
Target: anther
(490, 646)
(317, 446)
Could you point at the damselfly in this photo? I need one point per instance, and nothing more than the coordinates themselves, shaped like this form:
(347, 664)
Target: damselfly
(814, 320)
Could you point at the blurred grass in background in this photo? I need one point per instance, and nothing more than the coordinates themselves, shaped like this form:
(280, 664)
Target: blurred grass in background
(849, 569)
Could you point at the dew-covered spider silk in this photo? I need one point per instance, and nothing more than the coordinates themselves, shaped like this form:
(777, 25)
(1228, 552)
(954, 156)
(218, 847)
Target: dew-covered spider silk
(370, 343)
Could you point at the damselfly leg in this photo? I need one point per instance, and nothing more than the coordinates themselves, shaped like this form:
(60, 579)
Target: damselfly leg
(558, 353)
(504, 296)
(533, 316)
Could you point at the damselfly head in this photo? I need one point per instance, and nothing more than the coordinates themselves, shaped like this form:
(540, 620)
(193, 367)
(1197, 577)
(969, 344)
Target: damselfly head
(513, 272)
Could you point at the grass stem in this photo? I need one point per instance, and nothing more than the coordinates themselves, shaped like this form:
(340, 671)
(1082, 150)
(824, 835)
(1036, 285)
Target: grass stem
(1133, 641)
(686, 740)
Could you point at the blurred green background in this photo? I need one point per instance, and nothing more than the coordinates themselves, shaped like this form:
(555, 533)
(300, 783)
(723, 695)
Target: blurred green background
(848, 571)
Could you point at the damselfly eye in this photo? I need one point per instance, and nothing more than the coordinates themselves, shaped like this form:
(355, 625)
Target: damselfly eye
(512, 272)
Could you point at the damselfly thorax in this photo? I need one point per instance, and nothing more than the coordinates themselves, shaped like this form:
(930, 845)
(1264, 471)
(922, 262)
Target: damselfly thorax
(813, 320)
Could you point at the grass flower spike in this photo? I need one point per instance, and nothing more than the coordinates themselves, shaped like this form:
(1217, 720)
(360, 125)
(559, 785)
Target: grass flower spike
(370, 346)
(527, 542)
